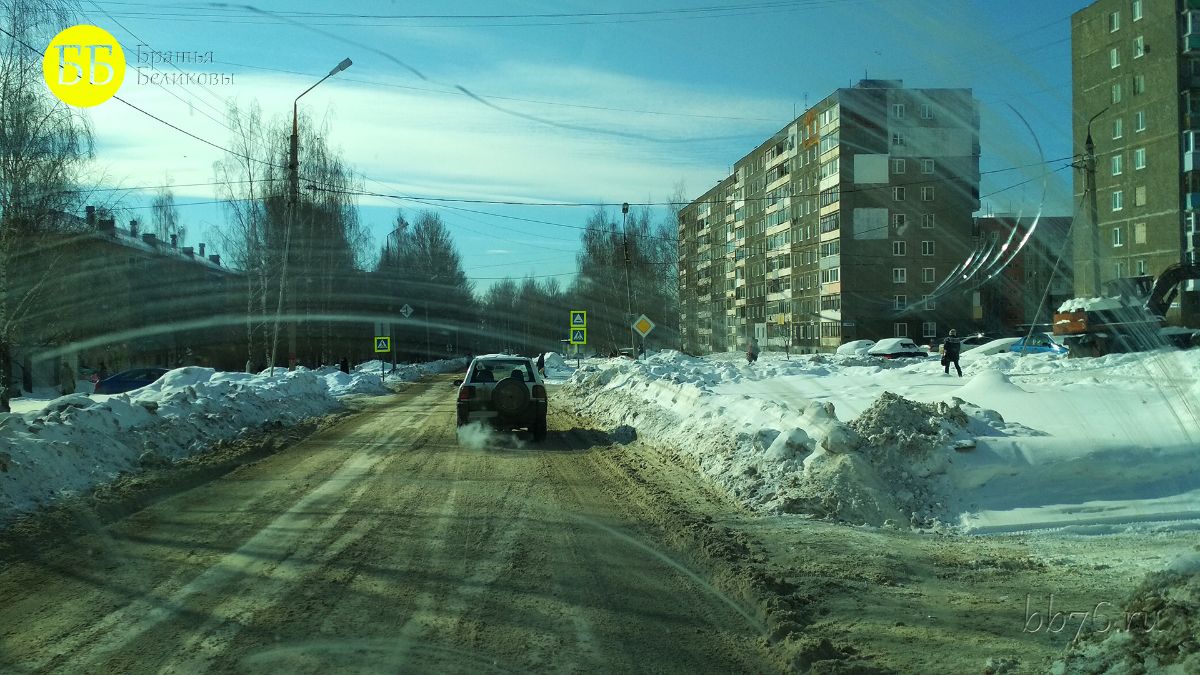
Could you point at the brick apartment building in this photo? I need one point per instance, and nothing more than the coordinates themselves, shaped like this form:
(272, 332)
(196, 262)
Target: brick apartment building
(840, 226)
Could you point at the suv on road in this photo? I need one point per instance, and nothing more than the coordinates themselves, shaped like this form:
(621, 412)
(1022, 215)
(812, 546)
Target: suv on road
(504, 391)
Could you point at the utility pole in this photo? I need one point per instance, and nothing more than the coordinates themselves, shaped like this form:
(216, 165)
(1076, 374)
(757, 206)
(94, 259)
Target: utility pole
(293, 199)
(628, 285)
(1089, 186)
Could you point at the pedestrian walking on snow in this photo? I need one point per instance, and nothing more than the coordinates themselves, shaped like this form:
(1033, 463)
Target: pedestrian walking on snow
(752, 351)
(541, 364)
(951, 348)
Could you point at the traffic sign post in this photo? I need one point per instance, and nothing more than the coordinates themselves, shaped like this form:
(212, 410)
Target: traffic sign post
(383, 345)
(578, 318)
(406, 311)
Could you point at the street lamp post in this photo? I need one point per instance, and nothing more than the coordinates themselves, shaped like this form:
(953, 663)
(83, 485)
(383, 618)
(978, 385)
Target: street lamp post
(293, 198)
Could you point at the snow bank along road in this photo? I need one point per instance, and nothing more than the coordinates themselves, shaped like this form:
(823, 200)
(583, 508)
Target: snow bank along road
(380, 543)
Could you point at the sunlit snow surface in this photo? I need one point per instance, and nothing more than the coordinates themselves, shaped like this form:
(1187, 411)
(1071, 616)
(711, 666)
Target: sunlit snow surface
(1088, 444)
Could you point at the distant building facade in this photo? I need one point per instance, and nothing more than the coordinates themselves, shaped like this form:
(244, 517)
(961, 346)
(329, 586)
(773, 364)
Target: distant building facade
(1136, 79)
(1037, 278)
(842, 225)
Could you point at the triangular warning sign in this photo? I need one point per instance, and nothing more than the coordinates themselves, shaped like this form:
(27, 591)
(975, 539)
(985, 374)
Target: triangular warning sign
(577, 320)
(578, 337)
(381, 345)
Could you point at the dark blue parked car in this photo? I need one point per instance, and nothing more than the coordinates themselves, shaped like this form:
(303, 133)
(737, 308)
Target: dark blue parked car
(1038, 343)
(129, 380)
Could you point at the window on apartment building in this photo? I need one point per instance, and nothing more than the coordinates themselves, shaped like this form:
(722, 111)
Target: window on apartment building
(1139, 47)
(928, 275)
(927, 221)
(927, 194)
(1118, 200)
(898, 110)
(1139, 233)
(1141, 268)
(1119, 270)
(929, 302)
(928, 328)
(899, 248)
(899, 220)
(831, 275)
(1116, 93)
(900, 302)
(1136, 8)
(927, 248)
(1115, 160)
(927, 166)
(1114, 57)
(926, 111)
(897, 166)
(1139, 195)
(1114, 22)
(1118, 128)
(1139, 159)
(897, 139)
(1139, 120)
(899, 275)
(901, 329)
(1117, 238)
(897, 194)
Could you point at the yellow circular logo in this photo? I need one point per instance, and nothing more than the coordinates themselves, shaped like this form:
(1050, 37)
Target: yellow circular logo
(84, 66)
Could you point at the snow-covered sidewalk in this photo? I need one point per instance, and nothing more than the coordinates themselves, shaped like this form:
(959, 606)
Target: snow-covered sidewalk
(1018, 443)
(68, 445)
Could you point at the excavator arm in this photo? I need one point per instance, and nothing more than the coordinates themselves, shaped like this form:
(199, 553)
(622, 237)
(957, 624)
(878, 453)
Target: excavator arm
(1166, 287)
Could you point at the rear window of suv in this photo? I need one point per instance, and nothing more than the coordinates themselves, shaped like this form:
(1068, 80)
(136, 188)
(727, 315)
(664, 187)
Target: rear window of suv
(502, 368)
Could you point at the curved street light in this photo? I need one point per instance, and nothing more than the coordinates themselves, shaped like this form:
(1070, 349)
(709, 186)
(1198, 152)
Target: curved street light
(293, 197)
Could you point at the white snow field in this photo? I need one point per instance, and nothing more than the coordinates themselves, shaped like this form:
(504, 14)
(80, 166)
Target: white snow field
(67, 445)
(1018, 443)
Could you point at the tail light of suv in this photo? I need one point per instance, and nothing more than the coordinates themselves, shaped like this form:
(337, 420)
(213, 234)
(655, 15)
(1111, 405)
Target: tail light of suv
(539, 391)
(466, 393)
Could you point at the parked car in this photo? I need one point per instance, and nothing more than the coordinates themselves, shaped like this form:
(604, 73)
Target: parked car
(1038, 343)
(504, 391)
(897, 348)
(975, 340)
(856, 348)
(128, 380)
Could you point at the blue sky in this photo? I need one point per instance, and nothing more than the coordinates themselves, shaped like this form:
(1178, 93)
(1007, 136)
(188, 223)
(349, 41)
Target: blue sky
(605, 108)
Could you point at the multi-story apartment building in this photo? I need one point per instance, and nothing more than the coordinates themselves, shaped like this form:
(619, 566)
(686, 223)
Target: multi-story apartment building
(1136, 74)
(1031, 276)
(845, 224)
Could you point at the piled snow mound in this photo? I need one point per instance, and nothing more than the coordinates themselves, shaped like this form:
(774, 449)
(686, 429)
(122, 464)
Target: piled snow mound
(409, 372)
(74, 443)
(1155, 631)
(554, 361)
(341, 384)
(883, 466)
(1091, 304)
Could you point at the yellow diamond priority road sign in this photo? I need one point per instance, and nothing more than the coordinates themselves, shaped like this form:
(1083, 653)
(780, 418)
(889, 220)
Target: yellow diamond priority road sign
(643, 325)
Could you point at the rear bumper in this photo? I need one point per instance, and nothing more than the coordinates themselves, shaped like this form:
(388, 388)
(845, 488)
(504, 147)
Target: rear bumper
(535, 410)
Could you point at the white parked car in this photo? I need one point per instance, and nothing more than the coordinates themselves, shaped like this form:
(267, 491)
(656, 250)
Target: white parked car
(856, 348)
(897, 348)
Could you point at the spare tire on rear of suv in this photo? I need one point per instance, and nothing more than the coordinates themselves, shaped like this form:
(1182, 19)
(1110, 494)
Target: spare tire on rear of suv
(510, 396)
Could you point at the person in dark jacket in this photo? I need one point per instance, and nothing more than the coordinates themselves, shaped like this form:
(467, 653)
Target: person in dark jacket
(752, 350)
(951, 348)
(541, 364)
(344, 365)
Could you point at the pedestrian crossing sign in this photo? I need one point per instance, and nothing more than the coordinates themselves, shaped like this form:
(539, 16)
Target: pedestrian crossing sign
(578, 318)
(383, 343)
(578, 336)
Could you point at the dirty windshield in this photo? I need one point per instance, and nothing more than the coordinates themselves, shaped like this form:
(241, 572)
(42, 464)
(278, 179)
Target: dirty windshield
(854, 336)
